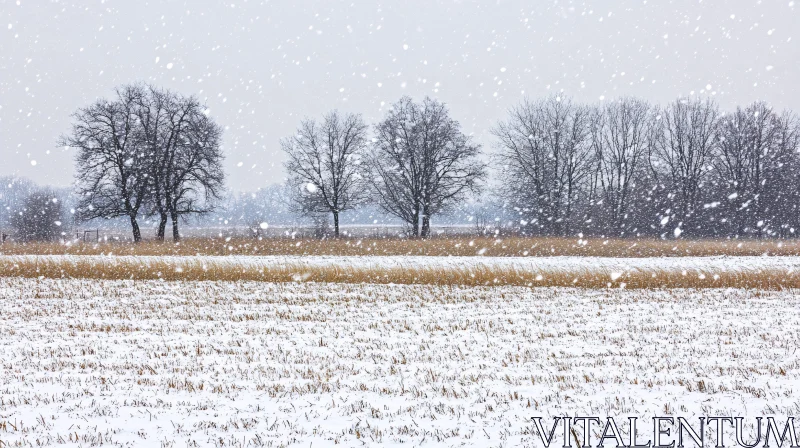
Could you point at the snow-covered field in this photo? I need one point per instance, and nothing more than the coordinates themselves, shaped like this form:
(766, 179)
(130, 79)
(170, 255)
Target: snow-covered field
(153, 363)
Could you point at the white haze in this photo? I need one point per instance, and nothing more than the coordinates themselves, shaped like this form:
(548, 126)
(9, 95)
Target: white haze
(263, 65)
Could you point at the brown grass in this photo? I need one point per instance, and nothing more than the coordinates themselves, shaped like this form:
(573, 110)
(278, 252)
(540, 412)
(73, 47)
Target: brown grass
(461, 246)
(477, 275)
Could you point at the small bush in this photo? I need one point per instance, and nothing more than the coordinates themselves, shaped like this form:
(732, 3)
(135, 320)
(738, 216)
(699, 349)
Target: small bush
(39, 219)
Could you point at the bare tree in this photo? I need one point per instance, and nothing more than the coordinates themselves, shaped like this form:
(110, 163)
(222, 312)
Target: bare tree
(756, 148)
(148, 150)
(422, 162)
(159, 117)
(113, 167)
(325, 164)
(186, 172)
(621, 138)
(544, 155)
(685, 137)
(39, 218)
(194, 178)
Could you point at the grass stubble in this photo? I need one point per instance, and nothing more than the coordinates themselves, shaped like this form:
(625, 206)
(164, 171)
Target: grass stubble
(91, 362)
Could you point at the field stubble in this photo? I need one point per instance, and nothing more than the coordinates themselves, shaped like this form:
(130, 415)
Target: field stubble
(263, 364)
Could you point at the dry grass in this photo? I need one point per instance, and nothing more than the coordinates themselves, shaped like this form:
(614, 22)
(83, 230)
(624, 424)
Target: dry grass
(460, 246)
(463, 246)
(479, 274)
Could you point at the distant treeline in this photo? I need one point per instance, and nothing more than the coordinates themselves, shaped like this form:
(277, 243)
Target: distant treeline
(557, 167)
(619, 168)
(627, 168)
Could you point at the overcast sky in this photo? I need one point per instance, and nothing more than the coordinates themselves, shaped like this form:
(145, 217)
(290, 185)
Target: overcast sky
(261, 66)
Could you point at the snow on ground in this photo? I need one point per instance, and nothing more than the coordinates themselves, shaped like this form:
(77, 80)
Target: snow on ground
(151, 363)
(554, 265)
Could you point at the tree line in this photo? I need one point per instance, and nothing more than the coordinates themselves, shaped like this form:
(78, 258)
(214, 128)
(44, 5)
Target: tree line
(627, 168)
(618, 168)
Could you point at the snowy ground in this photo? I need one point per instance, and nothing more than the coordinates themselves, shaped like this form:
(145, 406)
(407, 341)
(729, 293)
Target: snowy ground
(155, 363)
(554, 265)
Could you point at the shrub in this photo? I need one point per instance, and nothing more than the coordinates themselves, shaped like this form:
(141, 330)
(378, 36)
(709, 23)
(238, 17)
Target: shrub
(39, 219)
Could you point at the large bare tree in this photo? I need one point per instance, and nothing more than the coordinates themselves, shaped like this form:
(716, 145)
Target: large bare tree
(160, 117)
(422, 163)
(186, 171)
(113, 167)
(325, 164)
(148, 150)
(684, 144)
(621, 137)
(544, 155)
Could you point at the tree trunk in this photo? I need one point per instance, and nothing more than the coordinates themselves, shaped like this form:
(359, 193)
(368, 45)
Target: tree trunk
(740, 217)
(336, 224)
(176, 236)
(162, 227)
(415, 224)
(137, 233)
(426, 225)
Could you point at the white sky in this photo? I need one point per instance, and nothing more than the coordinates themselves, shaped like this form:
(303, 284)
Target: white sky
(263, 65)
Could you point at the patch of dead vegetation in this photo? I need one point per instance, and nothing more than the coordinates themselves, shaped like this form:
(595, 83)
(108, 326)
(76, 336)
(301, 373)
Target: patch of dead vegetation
(478, 273)
(440, 246)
